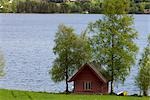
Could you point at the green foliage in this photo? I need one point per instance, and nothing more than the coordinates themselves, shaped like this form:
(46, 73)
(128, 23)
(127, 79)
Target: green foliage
(116, 7)
(64, 39)
(136, 7)
(71, 50)
(143, 77)
(7, 6)
(92, 6)
(147, 6)
(133, 7)
(34, 7)
(64, 7)
(113, 40)
(141, 7)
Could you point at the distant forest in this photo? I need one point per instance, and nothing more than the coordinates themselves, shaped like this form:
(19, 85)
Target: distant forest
(65, 6)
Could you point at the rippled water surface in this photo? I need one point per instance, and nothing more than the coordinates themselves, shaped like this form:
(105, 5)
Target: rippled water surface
(27, 41)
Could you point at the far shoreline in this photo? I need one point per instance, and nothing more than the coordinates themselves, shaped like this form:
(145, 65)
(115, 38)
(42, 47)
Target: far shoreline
(67, 13)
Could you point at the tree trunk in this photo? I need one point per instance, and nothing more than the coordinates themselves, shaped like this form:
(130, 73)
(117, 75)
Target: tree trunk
(140, 92)
(66, 81)
(112, 87)
(112, 65)
(145, 93)
(66, 72)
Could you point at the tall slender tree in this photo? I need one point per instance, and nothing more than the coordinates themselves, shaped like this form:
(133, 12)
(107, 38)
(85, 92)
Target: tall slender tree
(71, 51)
(113, 40)
(143, 77)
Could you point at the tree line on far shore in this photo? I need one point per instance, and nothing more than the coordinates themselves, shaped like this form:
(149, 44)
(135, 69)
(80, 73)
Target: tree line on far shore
(43, 7)
(92, 6)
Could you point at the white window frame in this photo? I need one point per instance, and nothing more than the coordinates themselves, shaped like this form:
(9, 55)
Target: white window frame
(87, 85)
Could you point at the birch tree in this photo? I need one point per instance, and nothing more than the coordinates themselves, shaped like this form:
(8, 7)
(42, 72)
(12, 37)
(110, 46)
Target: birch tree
(113, 40)
(143, 77)
(71, 52)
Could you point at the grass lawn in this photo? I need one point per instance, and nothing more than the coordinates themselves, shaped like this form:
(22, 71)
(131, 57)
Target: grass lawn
(24, 95)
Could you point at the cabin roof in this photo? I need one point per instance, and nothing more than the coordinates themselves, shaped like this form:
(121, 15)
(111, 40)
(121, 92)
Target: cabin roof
(94, 70)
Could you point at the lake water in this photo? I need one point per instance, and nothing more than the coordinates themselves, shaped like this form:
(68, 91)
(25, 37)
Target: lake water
(27, 41)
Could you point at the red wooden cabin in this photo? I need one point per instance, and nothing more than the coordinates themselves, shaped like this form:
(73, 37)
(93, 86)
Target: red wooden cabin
(89, 80)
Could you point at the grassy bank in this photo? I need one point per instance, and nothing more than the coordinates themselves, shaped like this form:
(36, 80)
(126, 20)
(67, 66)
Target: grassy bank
(24, 95)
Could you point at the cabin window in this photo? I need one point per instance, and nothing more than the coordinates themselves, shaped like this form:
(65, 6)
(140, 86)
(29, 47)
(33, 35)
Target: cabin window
(87, 85)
